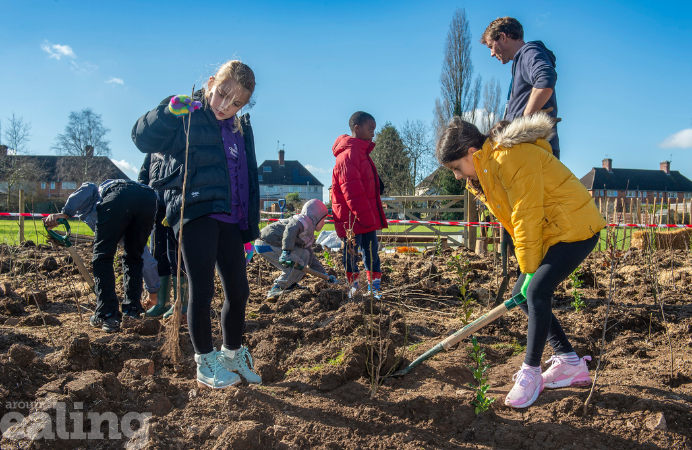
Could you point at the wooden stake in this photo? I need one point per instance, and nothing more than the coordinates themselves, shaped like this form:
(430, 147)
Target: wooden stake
(171, 347)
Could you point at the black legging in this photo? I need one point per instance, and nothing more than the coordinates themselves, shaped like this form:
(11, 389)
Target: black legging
(207, 243)
(560, 261)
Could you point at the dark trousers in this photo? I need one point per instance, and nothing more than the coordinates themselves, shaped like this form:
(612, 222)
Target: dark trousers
(209, 243)
(126, 211)
(366, 243)
(560, 261)
(159, 245)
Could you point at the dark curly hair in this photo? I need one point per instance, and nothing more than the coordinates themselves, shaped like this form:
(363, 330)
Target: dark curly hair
(359, 118)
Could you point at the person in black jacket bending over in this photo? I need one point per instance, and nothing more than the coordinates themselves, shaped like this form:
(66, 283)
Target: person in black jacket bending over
(164, 247)
(221, 208)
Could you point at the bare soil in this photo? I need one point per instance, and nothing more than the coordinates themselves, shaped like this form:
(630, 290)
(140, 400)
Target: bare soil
(314, 350)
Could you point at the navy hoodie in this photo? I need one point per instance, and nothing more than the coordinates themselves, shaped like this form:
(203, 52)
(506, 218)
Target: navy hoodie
(533, 67)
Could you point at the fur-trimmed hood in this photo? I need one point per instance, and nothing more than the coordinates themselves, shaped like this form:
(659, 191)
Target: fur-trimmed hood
(526, 129)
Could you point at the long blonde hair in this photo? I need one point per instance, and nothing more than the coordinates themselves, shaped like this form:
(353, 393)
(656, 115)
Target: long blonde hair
(239, 72)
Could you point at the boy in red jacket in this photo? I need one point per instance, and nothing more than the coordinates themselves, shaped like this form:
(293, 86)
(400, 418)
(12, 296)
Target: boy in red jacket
(356, 203)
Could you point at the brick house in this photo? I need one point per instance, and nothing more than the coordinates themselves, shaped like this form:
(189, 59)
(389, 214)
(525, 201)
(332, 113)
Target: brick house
(662, 186)
(53, 177)
(280, 177)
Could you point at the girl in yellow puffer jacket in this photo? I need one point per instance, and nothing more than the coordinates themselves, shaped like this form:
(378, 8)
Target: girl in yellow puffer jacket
(554, 224)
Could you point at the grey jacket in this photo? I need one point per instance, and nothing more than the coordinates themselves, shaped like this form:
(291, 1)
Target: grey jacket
(299, 230)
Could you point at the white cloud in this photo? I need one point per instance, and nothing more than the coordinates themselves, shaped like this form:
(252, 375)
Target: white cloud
(57, 51)
(114, 80)
(314, 169)
(126, 167)
(681, 139)
(84, 68)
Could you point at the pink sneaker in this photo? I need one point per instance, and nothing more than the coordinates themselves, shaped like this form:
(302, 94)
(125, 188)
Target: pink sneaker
(561, 374)
(525, 390)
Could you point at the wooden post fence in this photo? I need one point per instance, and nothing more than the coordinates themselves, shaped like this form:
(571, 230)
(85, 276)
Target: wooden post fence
(21, 219)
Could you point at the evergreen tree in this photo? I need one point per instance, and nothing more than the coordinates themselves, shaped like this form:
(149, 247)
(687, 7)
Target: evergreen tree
(391, 161)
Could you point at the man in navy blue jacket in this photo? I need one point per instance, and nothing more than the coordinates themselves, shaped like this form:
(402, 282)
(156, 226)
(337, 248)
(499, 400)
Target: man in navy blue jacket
(533, 71)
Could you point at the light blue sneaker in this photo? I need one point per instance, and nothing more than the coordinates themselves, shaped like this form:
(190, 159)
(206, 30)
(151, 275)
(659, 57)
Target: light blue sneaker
(212, 373)
(240, 361)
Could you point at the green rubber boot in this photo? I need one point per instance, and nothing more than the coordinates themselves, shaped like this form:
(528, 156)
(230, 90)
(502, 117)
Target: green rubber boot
(162, 296)
(183, 288)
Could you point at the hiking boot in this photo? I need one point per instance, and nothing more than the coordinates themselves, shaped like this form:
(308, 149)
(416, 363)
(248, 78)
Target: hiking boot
(110, 324)
(275, 292)
(240, 361)
(133, 314)
(525, 390)
(162, 296)
(560, 374)
(211, 372)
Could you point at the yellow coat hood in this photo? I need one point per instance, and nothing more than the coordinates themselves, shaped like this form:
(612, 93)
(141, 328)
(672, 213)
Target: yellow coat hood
(535, 197)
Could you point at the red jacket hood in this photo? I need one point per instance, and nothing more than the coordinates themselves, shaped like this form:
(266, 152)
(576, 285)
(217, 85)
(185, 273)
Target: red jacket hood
(346, 142)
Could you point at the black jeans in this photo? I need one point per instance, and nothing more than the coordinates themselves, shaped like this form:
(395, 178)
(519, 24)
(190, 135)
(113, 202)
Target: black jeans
(159, 244)
(207, 243)
(126, 211)
(560, 261)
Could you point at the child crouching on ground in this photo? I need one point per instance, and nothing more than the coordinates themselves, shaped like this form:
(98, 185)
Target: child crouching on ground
(291, 240)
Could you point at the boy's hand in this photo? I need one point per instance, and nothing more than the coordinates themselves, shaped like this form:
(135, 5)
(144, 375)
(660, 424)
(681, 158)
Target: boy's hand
(525, 286)
(181, 105)
(52, 220)
(332, 279)
(285, 259)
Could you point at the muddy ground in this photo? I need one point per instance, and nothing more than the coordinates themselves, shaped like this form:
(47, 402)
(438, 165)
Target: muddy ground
(315, 351)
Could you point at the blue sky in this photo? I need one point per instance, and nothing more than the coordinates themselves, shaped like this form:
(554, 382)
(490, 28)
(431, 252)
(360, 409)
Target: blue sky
(624, 69)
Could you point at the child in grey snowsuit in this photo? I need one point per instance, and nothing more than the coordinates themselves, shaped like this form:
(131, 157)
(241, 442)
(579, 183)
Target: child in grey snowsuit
(290, 240)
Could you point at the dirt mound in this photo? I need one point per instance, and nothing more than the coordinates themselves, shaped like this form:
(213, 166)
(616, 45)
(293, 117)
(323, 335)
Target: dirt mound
(322, 356)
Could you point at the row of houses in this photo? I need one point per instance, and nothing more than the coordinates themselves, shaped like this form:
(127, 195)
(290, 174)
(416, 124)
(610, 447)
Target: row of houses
(55, 178)
(279, 177)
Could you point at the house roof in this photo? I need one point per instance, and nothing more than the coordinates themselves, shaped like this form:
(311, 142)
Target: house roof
(636, 179)
(55, 167)
(430, 179)
(292, 172)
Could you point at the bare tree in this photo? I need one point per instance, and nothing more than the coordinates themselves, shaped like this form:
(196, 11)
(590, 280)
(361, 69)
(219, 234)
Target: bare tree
(17, 135)
(492, 99)
(18, 170)
(84, 138)
(459, 93)
(415, 136)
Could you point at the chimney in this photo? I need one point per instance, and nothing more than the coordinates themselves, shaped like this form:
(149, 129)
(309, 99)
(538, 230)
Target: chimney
(89, 151)
(665, 166)
(608, 165)
(3, 150)
(281, 158)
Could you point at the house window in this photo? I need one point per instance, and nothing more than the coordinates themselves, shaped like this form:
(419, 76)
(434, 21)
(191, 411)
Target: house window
(612, 193)
(69, 185)
(52, 184)
(672, 195)
(271, 188)
(602, 194)
(43, 185)
(260, 178)
(642, 194)
(688, 194)
(266, 169)
(631, 193)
